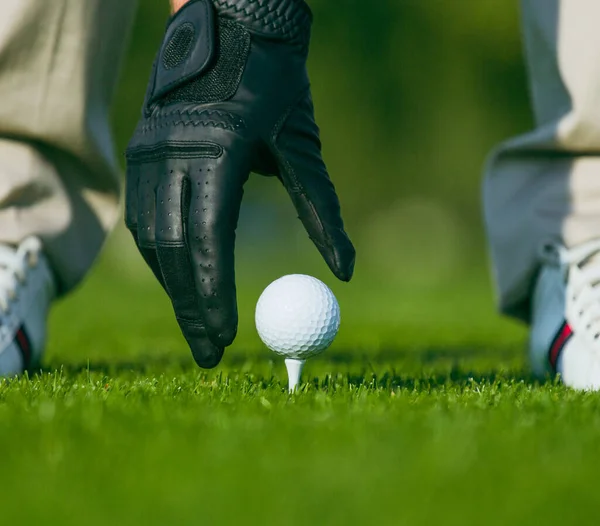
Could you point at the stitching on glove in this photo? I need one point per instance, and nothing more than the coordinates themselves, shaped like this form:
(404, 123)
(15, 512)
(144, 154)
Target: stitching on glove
(170, 244)
(214, 118)
(286, 18)
(174, 150)
(191, 323)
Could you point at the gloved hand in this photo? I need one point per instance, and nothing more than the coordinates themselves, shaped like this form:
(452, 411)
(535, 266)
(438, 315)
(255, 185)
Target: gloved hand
(229, 94)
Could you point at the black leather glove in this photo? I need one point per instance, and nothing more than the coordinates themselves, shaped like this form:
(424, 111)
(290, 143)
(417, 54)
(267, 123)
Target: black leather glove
(229, 94)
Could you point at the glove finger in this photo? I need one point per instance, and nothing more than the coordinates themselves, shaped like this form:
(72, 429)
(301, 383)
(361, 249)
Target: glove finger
(146, 207)
(298, 151)
(216, 190)
(131, 198)
(151, 258)
(131, 220)
(172, 198)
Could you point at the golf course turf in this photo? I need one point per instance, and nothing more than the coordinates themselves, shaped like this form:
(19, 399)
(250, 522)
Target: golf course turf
(423, 412)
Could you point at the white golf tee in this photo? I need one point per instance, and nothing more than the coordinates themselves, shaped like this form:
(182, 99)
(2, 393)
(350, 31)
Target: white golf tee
(294, 369)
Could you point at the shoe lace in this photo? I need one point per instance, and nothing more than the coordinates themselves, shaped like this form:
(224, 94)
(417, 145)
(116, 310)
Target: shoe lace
(14, 267)
(581, 267)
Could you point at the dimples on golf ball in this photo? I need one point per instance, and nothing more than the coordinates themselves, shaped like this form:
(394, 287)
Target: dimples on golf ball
(297, 316)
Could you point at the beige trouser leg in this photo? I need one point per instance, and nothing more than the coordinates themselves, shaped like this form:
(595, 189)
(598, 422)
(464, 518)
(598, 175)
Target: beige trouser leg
(59, 178)
(544, 187)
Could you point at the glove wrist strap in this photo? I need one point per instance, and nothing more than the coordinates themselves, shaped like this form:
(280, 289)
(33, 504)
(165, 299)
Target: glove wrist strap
(188, 48)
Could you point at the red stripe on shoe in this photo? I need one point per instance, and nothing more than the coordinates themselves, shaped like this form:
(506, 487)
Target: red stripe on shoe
(563, 335)
(24, 345)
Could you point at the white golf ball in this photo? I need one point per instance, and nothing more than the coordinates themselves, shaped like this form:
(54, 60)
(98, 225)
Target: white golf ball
(297, 316)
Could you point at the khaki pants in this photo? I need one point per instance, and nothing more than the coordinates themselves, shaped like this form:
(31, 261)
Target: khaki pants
(59, 178)
(544, 187)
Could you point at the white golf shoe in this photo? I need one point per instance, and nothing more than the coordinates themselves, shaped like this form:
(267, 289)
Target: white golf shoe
(565, 330)
(26, 289)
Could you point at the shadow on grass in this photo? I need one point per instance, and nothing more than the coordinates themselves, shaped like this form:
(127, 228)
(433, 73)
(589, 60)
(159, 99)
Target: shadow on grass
(140, 365)
(455, 378)
(457, 364)
(503, 366)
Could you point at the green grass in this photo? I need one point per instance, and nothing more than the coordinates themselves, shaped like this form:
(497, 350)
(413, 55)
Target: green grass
(423, 412)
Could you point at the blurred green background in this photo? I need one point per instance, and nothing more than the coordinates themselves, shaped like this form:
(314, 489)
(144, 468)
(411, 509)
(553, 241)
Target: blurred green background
(411, 96)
